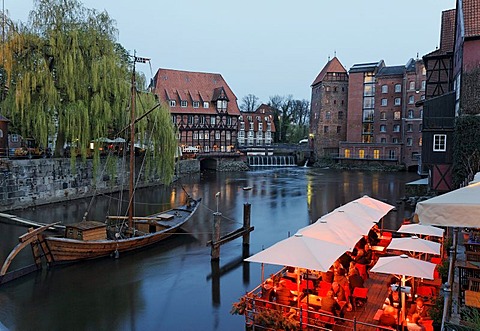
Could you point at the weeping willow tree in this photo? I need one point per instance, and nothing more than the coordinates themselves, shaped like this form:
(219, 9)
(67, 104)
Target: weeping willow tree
(68, 80)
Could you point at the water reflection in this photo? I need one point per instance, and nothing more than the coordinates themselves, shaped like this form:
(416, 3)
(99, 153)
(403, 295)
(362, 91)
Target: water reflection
(150, 289)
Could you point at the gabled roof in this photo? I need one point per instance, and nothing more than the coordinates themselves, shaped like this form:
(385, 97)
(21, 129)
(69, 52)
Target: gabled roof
(334, 65)
(471, 18)
(447, 33)
(192, 86)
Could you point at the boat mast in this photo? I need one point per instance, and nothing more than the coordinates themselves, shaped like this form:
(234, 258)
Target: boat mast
(132, 148)
(132, 141)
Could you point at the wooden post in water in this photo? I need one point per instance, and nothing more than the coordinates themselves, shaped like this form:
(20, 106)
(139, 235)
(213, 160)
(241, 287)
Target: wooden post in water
(246, 225)
(216, 236)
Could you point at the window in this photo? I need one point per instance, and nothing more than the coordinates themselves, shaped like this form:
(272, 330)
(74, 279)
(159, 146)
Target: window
(183, 103)
(212, 122)
(328, 115)
(228, 135)
(206, 148)
(206, 104)
(196, 104)
(422, 97)
(325, 129)
(439, 142)
(420, 142)
(217, 135)
(368, 102)
(391, 154)
(269, 126)
(347, 153)
(383, 128)
(396, 128)
(384, 88)
(339, 129)
(420, 126)
(195, 135)
(190, 119)
(383, 140)
(411, 99)
(260, 126)
(202, 119)
(424, 71)
(409, 141)
(200, 136)
(395, 140)
(398, 101)
(361, 154)
(423, 84)
(173, 103)
(340, 115)
(376, 154)
(396, 115)
(383, 115)
(384, 102)
(207, 135)
(327, 88)
(411, 86)
(409, 127)
(229, 120)
(398, 88)
(410, 113)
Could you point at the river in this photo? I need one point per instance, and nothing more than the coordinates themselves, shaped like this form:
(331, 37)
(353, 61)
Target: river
(171, 286)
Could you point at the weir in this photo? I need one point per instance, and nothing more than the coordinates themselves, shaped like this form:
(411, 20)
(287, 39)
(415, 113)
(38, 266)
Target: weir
(271, 160)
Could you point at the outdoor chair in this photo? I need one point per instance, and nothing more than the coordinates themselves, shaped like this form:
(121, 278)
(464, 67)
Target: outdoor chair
(362, 270)
(360, 297)
(425, 291)
(436, 260)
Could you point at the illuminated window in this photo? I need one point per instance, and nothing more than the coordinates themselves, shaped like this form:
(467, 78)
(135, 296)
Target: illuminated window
(361, 154)
(376, 154)
(347, 153)
(396, 115)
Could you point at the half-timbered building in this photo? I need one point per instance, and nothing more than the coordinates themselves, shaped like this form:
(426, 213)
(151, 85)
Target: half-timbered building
(203, 107)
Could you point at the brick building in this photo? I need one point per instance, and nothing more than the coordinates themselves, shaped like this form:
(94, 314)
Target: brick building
(203, 108)
(328, 114)
(383, 122)
(447, 69)
(256, 128)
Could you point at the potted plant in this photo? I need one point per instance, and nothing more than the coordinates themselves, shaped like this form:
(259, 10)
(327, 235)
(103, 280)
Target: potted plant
(442, 269)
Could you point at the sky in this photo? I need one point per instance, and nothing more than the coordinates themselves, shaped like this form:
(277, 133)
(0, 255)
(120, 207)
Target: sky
(268, 47)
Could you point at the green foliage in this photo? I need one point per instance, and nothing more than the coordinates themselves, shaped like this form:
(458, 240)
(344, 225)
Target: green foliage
(471, 317)
(470, 102)
(436, 310)
(466, 149)
(68, 78)
(443, 268)
(276, 320)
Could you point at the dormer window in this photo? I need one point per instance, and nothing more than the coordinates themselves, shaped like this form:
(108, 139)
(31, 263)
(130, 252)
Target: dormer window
(183, 103)
(221, 104)
(196, 104)
(206, 104)
(173, 103)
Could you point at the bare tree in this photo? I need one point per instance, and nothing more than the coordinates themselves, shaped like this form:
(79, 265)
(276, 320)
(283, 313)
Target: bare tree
(249, 103)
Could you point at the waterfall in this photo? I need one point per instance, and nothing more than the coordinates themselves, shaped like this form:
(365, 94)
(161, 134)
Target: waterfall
(271, 161)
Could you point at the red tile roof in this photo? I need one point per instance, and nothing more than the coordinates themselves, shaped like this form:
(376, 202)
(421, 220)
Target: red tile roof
(447, 33)
(471, 18)
(191, 86)
(333, 65)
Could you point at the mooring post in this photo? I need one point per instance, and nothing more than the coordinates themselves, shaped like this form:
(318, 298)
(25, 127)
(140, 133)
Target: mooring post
(246, 223)
(216, 236)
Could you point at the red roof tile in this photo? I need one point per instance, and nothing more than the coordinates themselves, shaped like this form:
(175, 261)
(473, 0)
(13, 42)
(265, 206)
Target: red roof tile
(471, 18)
(184, 85)
(333, 65)
(447, 33)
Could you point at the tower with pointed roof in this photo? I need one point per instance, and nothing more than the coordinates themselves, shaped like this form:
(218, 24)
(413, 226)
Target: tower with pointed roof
(328, 112)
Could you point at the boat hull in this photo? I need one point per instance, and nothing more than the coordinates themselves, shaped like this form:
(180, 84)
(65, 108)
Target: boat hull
(64, 250)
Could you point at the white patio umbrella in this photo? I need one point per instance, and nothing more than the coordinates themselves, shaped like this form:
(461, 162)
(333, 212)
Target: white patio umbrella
(415, 244)
(330, 231)
(381, 206)
(421, 229)
(302, 252)
(365, 211)
(344, 218)
(403, 266)
(458, 208)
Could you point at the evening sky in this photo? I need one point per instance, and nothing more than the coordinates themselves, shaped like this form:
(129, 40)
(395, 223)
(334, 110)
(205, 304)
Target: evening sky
(268, 47)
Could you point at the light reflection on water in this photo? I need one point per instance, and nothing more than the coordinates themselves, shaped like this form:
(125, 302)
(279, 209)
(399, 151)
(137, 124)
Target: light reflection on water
(150, 289)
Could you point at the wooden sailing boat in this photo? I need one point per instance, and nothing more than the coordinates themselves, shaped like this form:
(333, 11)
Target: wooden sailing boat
(92, 239)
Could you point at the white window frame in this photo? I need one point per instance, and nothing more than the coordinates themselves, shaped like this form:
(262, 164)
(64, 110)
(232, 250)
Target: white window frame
(411, 99)
(384, 88)
(397, 101)
(196, 104)
(398, 88)
(384, 102)
(183, 103)
(206, 104)
(439, 142)
(412, 85)
(173, 103)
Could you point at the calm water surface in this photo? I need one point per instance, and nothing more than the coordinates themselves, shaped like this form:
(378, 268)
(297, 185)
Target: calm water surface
(171, 286)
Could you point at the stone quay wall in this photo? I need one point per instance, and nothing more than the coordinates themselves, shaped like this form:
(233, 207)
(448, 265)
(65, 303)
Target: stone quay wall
(28, 183)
